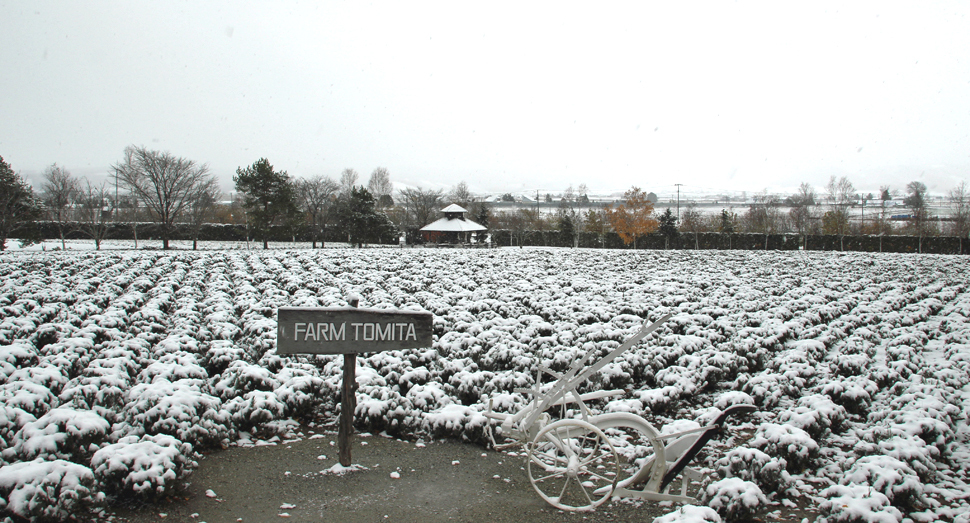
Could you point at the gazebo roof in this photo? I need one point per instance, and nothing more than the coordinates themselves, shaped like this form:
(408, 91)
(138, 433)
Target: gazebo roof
(454, 208)
(453, 225)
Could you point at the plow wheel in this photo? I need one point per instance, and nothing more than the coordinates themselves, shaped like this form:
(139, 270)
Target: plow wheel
(572, 465)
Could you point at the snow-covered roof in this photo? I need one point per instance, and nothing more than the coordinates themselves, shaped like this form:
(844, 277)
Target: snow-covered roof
(453, 225)
(454, 208)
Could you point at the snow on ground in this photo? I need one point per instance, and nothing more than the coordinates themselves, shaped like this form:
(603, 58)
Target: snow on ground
(117, 367)
(114, 245)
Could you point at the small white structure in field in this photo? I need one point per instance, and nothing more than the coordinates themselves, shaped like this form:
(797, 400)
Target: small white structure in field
(453, 228)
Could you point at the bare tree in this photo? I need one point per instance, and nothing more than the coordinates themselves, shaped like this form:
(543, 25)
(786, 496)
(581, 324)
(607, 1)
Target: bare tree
(380, 187)
(348, 180)
(763, 215)
(569, 195)
(691, 221)
(840, 193)
(916, 201)
(58, 190)
(317, 196)
(517, 222)
(421, 206)
(460, 195)
(959, 198)
(202, 208)
(93, 208)
(165, 183)
(802, 212)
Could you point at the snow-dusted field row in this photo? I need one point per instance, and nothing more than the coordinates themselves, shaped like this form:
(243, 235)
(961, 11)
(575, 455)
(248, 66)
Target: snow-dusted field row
(182, 245)
(115, 367)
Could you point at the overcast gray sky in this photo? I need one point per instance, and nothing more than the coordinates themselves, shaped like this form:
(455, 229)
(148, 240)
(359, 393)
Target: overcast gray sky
(506, 96)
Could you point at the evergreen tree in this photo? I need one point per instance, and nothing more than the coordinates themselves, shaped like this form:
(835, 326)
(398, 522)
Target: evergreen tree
(484, 215)
(567, 231)
(668, 227)
(358, 218)
(18, 206)
(269, 198)
(727, 223)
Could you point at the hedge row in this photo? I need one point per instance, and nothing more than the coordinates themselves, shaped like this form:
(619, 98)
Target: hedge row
(208, 232)
(743, 241)
(610, 240)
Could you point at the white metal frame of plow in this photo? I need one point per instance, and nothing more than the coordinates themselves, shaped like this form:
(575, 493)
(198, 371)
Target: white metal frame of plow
(571, 462)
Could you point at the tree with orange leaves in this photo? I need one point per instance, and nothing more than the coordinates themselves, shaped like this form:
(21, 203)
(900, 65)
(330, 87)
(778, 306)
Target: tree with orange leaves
(632, 219)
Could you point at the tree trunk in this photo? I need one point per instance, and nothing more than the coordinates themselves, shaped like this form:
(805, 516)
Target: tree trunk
(265, 244)
(165, 243)
(195, 244)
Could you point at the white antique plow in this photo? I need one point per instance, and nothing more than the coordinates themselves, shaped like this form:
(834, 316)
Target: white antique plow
(570, 461)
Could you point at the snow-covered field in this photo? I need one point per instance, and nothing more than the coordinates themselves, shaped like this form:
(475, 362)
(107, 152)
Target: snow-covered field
(117, 367)
(182, 245)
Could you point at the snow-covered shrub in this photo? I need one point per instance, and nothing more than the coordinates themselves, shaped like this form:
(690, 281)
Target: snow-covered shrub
(884, 375)
(856, 504)
(733, 397)
(104, 393)
(911, 450)
(61, 433)
(149, 466)
(851, 364)
(12, 419)
(734, 499)
(18, 355)
(854, 394)
(792, 444)
(816, 414)
(255, 407)
(220, 355)
(379, 408)
(659, 399)
(30, 397)
(890, 476)
(300, 390)
(173, 366)
(179, 409)
(922, 411)
(242, 377)
(47, 490)
(427, 398)
(456, 421)
(71, 355)
(46, 374)
(768, 389)
(690, 514)
(753, 465)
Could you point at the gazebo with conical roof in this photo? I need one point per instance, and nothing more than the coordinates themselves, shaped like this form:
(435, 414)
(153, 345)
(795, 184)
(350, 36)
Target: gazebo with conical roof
(453, 228)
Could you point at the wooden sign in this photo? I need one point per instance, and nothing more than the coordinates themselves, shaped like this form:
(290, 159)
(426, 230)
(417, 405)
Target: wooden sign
(349, 330)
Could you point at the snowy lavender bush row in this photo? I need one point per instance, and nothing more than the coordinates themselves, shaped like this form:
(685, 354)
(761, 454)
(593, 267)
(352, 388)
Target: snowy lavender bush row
(857, 363)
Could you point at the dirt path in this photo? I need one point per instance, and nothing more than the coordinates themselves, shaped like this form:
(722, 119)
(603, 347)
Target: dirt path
(440, 481)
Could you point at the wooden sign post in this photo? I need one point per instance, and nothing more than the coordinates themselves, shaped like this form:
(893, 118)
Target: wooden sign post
(349, 331)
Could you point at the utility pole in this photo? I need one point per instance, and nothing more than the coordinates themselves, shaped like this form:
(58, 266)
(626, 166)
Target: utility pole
(678, 201)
